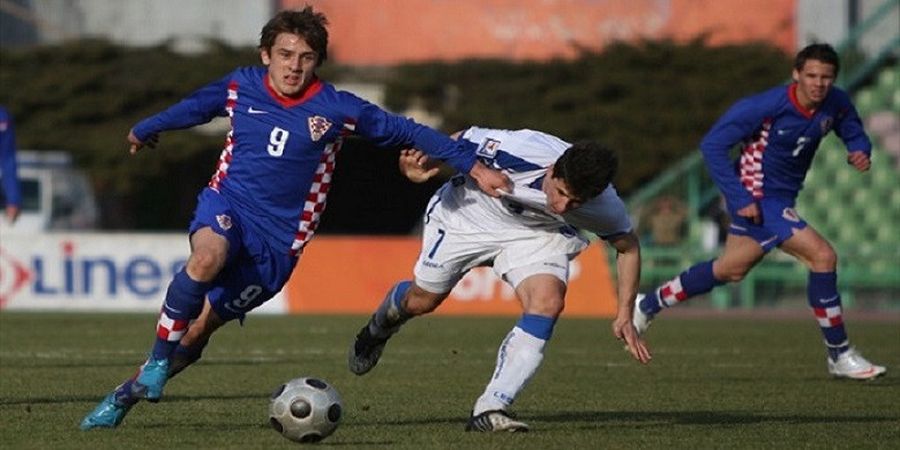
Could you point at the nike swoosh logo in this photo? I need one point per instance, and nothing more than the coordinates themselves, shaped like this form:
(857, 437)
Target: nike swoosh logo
(768, 241)
(828, 300)
(253, 110)
(176, 311)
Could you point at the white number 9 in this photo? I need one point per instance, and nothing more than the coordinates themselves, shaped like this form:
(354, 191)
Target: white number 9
(277, 140)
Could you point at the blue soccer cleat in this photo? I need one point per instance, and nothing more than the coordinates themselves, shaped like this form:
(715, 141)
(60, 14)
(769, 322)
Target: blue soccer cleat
(108, 414)
(154, 374)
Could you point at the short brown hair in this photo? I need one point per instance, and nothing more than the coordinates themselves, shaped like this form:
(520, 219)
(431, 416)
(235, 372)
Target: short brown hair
(819, 52)
(306, 23)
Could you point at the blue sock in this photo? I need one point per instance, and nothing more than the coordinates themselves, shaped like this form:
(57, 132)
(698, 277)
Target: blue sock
(821, 291)
(124, 394)
(540, 327)
(184, 301)
(696, 280)
(184, 356)
(390, 315)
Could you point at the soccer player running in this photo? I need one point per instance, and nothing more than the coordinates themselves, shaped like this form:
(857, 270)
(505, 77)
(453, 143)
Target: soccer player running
(780, 130)
(528, 235)
(264, 201)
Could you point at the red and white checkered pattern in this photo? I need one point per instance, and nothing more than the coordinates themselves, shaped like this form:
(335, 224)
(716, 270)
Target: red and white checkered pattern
(225, 158)
(829, 317)
(170, 329)
(671, 292)
(751, 161)
(315, 201)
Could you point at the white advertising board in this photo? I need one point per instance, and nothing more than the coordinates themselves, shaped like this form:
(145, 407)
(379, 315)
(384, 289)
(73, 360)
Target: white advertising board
(93, 271)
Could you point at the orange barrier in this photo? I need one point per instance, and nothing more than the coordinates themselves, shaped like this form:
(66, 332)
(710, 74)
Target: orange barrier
(384, 32)
(352, 275)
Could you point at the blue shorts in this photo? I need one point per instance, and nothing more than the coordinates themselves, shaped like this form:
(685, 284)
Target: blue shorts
(253, 273)
(779, 223)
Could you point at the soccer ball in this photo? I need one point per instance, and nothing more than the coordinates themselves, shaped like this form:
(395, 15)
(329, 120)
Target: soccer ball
(305, 409)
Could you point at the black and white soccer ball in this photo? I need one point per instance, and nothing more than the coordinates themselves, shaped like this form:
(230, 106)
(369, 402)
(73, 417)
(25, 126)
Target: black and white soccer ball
(305, 409)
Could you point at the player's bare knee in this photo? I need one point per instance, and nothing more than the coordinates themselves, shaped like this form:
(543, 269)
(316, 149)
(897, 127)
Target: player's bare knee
(546, 306)
(204, 264)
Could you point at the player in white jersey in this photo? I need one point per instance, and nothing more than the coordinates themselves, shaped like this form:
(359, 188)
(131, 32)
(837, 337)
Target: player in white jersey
(529, 235)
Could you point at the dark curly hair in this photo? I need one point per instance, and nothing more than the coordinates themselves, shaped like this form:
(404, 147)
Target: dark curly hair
(587, 168)
(306, 23)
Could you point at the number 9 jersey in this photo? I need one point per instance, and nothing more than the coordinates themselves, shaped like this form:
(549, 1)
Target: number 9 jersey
(275, 170)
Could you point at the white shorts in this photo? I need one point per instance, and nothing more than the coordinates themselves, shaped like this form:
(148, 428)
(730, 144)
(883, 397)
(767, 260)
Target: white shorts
(515, 254)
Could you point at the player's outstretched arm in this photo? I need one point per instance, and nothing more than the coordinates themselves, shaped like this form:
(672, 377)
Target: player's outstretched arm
(417, 166)
(137, 144)
(628, 263)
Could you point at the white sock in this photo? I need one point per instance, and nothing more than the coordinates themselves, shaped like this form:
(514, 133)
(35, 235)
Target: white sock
(519, 356)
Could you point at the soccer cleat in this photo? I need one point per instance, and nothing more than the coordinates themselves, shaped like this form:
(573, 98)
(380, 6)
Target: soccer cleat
(365, 351)
(108, 414)
(495, 420)
(639, 318)
(154, 374)
(851, 364)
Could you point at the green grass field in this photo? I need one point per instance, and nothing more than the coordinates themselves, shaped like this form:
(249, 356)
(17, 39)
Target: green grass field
(715, 383)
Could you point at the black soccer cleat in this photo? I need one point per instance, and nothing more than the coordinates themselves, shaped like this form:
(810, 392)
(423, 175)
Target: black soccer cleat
(365, 351)
(495, 420)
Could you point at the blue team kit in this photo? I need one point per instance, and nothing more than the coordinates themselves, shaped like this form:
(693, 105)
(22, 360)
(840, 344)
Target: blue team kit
(778, 139)
(271, 181)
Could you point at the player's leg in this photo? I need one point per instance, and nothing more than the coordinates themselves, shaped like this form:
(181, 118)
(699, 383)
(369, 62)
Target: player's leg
(183, 303)
(195, 340)
(445, 257)
(816, 253)
(739, 255)
(520, 354)
(112, 410)
(403, 301)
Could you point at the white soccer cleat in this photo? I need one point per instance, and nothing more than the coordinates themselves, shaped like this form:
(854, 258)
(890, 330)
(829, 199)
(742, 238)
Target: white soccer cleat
(639, 319)
(851, 364)
(494, 421)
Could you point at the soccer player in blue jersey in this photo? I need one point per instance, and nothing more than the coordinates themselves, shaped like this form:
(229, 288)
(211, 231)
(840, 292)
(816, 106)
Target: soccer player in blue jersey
(779, 131)
(528, 236)
(12, 193)
(264, 201)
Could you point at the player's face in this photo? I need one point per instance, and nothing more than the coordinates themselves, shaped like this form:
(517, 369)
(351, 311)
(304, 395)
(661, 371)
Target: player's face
(292, 64)
(814, 81)
(559, 196)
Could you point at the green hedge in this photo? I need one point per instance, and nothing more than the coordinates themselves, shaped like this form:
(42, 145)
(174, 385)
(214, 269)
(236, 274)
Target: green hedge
(652, 101)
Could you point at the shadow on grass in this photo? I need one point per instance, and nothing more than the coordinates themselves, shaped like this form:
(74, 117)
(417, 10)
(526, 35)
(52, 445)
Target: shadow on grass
(99, 396)
(703, 417)
(667, 418)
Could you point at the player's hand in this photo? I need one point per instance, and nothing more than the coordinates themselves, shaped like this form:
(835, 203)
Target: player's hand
(12, 213)
(860, 160)
(417, 166)
(491, 182)
(137, 144)
(751, 212)
(624, 331)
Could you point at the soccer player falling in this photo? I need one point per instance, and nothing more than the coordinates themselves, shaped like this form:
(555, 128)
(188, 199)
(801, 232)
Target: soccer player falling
(528, 236)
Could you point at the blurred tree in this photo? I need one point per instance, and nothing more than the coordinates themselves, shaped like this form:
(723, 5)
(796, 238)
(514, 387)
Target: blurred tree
(652, 101)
